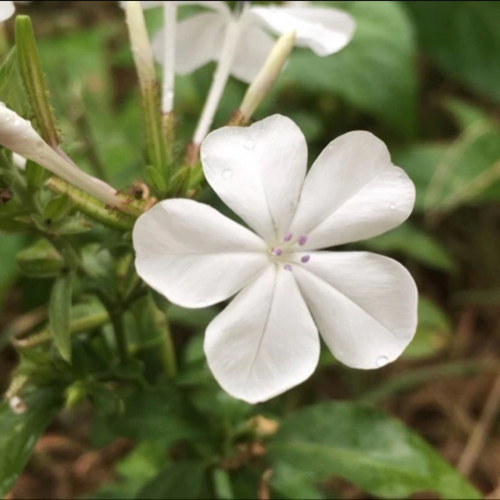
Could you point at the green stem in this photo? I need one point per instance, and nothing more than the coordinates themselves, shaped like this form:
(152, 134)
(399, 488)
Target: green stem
(118, 328)
(77, 326)
(91, 207)
(4, 44)
(156, 150)
(168, 356)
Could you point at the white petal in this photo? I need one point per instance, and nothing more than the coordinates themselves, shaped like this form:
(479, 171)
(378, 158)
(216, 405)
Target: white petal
(193, 255)
(198, 42)
(365, 305)
(258, 172)
(265, 342)
(353, 192)
(254, 48)
(7, 10)
(324, 30)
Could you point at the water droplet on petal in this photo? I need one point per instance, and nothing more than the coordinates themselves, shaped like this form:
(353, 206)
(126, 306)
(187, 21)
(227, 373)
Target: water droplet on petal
(392, 206)
(227, 173)
(249, 144)
(204, 155)
(382, 361)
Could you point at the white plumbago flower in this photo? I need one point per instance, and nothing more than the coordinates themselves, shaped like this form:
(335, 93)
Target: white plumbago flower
(200, 38)
(7, 10)
(266, 341)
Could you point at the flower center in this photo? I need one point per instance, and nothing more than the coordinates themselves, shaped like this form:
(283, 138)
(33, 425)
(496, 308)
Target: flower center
(287, 253)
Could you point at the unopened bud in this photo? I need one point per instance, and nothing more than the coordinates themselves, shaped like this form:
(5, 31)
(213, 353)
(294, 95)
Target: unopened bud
(267, 76)
(19, 136)
(141, 46)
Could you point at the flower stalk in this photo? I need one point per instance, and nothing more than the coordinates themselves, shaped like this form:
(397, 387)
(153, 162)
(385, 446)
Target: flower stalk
(169, 33)
(266, 78)
(91, 207)
(228, 53)
(19, 136)
(156, 145)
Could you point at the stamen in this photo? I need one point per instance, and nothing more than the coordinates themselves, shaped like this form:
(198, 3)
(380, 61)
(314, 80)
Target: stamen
(288, 237)
(278, 252)
(305, 259)
(288, 267)
(302, 240)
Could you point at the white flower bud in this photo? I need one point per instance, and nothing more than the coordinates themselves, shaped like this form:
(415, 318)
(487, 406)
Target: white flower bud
(19, 136)
(141, 46)
(268, 75)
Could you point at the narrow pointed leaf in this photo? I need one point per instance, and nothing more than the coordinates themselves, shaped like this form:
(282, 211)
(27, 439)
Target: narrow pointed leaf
(59, 314)
(366, 447)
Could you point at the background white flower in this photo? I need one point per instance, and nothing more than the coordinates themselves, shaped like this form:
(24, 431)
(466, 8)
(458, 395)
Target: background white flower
(7, 10)
(200, 38)
(266, 341)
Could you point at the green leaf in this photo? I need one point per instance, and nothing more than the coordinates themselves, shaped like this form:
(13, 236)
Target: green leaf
(465, 173)
(294, 484)
(11, 91)
(410, 241)
(467, 49)
(10, 245)
(19, 433)
(41, 260)
(179, 481)
(222, 484)
(365, 446)
(34, 82)
(60, 314)
(466, 114)
(433, 331)
(74, 225)
(141, 465)
(375, 72)
(58, 207)
(36, 175)
(420, 162)
(158, 413)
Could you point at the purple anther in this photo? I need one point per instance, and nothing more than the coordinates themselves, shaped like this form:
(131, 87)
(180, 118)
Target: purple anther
(288, 267)
(305, 259)
(288, 237)
(302, 240)
(277, 252)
